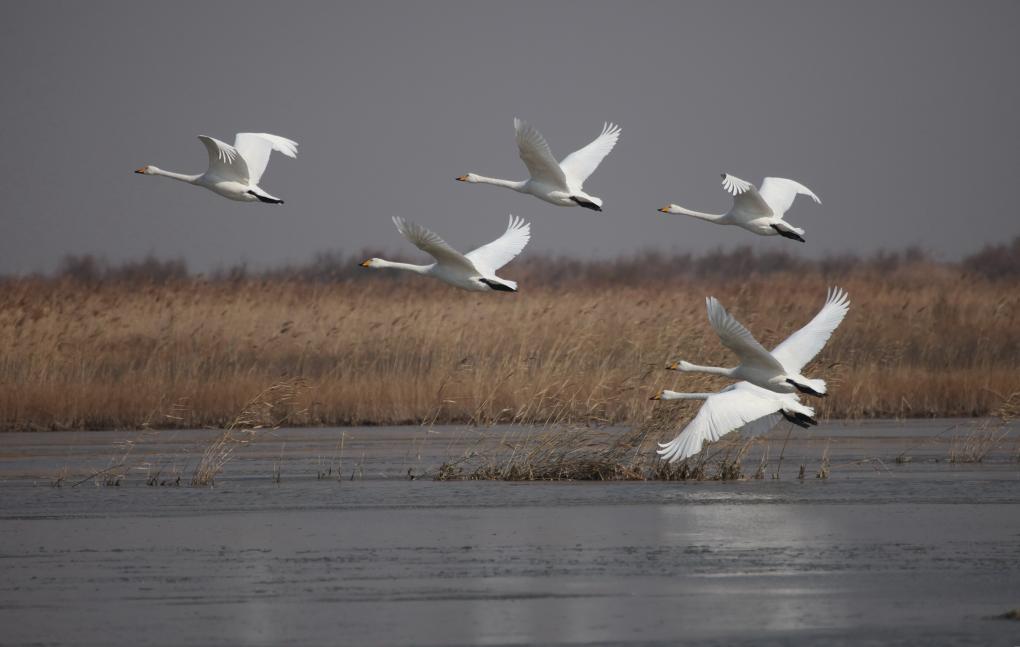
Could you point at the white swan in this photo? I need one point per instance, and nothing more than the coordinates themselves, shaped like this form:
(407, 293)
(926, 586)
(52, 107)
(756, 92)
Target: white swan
(557, 182)
(475, 270)
(234, 171)
(779, 370)
(742, 406)
(759, 211)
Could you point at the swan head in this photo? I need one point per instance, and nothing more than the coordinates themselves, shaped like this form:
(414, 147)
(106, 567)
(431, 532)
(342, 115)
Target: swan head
(678, 366)
(148, 169)
(657, 396)
(669, 208)
(470, 177)
(372, 262)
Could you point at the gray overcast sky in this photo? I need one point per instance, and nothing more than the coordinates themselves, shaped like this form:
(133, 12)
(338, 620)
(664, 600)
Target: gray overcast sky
(902, 116)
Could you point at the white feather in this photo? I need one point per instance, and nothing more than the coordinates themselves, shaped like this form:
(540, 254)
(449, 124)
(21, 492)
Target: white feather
(475, 270)
(798, 349)
(559, 183)
(758, 211)
(234, 172)
(779, 370)
(741, 406)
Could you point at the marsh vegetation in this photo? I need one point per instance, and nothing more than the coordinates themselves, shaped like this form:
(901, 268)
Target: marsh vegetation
(148, 345)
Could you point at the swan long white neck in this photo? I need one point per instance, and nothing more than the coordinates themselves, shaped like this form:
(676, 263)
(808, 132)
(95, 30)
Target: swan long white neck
(673, 395)
(409, 267)
(711, 370)
(510, 184)
(190, 179)
(711, 217)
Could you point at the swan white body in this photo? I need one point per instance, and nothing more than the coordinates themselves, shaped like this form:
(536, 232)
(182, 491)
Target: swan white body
(559, 183)
(741, 406)
(779, 370)
(235, 171)
(476, 270)
(759, 211)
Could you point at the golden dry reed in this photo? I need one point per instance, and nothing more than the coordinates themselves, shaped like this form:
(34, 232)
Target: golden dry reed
(273, 407)
(921, 339)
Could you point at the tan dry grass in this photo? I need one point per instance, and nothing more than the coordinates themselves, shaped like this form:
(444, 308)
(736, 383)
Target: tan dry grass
(920, 340)
(269, 409)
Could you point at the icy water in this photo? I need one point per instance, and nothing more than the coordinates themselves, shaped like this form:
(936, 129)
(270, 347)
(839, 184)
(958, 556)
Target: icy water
(917, 553)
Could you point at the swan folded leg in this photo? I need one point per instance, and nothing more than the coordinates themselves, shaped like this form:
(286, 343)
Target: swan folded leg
(268, 199)
(799, 419)
(809, 387)
(496, 285)
(587, 204)
(791, 233)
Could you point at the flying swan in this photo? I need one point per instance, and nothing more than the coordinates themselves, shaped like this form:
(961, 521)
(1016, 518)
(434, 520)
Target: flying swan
(779, 370)
(741, 406)
(475, 270)
(759, 211)
(557, 182)
(234, 171)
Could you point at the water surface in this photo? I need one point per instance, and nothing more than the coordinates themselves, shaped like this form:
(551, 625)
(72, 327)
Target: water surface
(917, 553)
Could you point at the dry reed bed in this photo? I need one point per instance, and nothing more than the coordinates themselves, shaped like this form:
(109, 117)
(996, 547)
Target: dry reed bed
(920, 340)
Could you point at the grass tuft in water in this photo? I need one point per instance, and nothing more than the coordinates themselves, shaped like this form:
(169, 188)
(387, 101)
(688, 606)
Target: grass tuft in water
(270, 409)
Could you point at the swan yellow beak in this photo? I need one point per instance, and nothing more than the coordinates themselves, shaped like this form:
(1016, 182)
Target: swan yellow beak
(673, 366)
(657, 396)
(140, 170)
(664, 209)
(366, 263)
(462, 178)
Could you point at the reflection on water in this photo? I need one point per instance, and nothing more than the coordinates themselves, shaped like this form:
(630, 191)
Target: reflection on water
(923, 551)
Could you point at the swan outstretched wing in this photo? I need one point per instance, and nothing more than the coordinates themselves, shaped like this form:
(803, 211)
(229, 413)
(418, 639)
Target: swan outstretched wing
(224, 160)
(255, 148)
(739, 339)
(747, 202)
(801, 347)
(490, 257)
(430, 243)
(535, 154)
(743, 405)
(581, 163)
(780, 193)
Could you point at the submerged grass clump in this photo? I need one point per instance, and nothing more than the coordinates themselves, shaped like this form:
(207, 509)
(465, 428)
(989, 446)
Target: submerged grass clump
(565, 453)
(548, 455)
(977, 444)
(270, 409)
